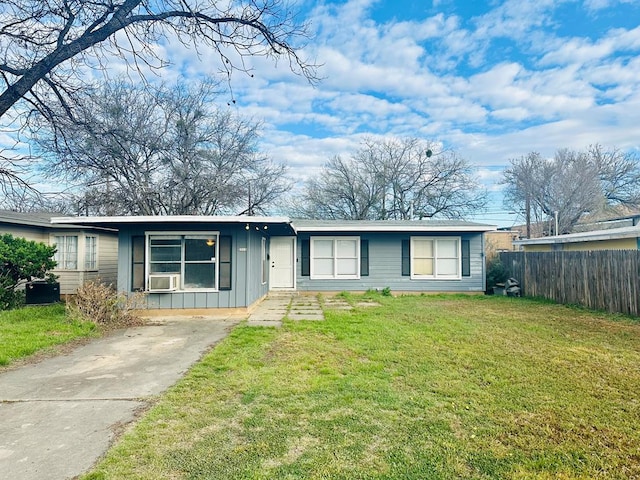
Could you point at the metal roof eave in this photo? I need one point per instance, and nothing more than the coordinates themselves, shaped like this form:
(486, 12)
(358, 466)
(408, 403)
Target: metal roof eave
(398, 228)
(350, 226)
(594, 236)
(170, 219)
(115, 221)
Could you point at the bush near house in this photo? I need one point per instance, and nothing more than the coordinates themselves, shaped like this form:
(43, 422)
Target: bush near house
(496, 273)
(100, 304)
(21, 261)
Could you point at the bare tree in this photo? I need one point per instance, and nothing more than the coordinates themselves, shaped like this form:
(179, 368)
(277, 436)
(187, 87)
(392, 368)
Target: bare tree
(345, 188)
(134, 151)
(47, 47)
(13, 187)
(393, 179)
(572, 184)
(619, 174)
(572, 189)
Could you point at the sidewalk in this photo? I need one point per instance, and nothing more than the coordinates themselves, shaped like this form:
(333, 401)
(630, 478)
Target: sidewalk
(57, 417)
(271, 311)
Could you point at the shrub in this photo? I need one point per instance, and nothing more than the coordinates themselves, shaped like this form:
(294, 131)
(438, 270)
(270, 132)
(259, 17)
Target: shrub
(21, 261)
(496, 272)
(101, 304)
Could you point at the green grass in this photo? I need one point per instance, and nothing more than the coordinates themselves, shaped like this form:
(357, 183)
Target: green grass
(29, 330)
(421, 387)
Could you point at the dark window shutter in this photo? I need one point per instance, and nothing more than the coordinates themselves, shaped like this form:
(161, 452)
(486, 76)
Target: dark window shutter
(225, 252)
(364, 258)
(305, 257)
(137, 263)
(406, 258)
(466, 258)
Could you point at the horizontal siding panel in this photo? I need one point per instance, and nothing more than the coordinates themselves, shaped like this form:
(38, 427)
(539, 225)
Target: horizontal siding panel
(69, 280)
(108, 259)
(34, 234)
(385, 269)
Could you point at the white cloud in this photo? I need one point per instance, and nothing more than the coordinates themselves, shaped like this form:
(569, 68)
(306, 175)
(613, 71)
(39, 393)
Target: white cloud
(585, 51)
(597, 5)
(436, 77)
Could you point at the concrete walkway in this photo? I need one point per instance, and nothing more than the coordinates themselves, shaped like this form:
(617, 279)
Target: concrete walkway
(271, 311)
(57, 417)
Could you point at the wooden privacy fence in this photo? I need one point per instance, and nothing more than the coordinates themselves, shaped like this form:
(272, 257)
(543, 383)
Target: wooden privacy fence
(602, 280)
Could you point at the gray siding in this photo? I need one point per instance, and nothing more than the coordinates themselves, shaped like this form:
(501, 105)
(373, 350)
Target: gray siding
(385, 267)
(246, 287)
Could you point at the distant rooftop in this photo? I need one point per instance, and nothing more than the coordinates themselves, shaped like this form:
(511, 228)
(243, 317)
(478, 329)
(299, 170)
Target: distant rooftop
(36, 219)
(590, 236)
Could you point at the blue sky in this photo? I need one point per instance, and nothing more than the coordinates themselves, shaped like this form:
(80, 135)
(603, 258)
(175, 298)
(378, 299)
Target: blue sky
(492, 80)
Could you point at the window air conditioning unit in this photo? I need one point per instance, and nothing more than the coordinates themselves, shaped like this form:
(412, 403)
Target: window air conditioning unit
(166, 282)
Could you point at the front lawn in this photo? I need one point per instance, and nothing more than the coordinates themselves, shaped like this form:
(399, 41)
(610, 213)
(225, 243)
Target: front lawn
(25, 331)
(420, 387)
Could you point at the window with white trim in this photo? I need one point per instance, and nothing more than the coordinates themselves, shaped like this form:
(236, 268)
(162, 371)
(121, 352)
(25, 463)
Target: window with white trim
(192, 257)
(66, 255)
(335, 257)
(435, 257)
(90, 252)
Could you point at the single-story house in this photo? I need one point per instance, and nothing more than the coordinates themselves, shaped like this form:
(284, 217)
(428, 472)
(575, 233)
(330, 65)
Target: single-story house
(623, 238)
(195, 262)
(84, 252)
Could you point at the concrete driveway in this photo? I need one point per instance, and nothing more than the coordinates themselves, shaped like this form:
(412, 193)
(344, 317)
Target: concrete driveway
(59, 416)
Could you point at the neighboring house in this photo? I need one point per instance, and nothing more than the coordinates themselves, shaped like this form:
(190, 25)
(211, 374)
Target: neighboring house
(83, 252)
(624, 238)
(500, 241)
(193, 262)
(617, 222)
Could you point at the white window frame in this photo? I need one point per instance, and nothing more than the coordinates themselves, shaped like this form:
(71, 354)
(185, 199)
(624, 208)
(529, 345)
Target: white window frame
(335, 276)
(91, 257)
(182, 236)
(61, 251)
(436, 257)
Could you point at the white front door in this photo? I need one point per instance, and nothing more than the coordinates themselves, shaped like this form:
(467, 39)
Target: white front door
(281, 262)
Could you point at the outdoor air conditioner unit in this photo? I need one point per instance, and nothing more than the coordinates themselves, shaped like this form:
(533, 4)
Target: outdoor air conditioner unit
(166, 282)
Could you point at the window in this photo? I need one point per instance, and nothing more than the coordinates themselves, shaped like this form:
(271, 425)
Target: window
(67, 252)
(264, 263)
(335, 257)
(192, 257)
(435, 257)
(137, 263)
(90, 252)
